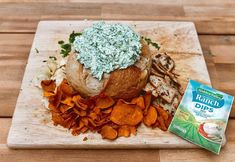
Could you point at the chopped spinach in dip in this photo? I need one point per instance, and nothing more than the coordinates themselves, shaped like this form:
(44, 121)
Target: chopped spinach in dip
(103, 48)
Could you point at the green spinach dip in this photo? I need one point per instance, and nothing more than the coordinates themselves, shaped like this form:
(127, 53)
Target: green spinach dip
(104, 48)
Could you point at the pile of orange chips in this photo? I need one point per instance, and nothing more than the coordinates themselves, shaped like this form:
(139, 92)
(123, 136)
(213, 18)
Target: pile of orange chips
(111, 118)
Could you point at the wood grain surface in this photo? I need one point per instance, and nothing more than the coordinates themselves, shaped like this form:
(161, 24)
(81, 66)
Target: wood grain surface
(14, 50)
(215, 17)
(215, 22)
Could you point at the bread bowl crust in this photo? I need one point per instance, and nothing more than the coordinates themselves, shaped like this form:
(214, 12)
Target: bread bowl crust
(121, 83)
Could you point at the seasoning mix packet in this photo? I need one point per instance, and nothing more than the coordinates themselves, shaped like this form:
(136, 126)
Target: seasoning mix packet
(202, 116)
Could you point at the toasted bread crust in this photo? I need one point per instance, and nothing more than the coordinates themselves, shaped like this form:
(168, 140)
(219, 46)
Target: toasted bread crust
(124, 83)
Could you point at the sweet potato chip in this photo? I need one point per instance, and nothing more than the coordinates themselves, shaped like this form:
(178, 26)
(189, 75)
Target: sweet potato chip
(66, 88)
(93, 124)
(67, 114)
(80, 112)
(85, 120)
(168, 121)
(57, 118)
(133, 130)
(75, 132)
(79, 126)
(84, 129)
(68, 101)
(150, 117)
(69, 122)
(139, 101)
(102, 122)
(107, 111)
(162, 112)
(63, 108)
(147, 101)
(56, 99)
(98, 118)
(90, 102)
(124, 131)
(93, 115)
(107, 132)
(162, 125)
(97, 110)
(48, 85)
(53, 108)
(76, 129)
(79, 102)
(104, 116)
(48, 94)
(104, 102)
(126, 114)
(113, 125)
(156, 124)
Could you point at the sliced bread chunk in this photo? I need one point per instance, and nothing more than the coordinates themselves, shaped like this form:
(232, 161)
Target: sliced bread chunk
(149, 87)
(155, 93)
(166, 92)
(156, 81)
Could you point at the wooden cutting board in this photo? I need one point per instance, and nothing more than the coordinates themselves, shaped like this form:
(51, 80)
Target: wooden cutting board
(32, 126)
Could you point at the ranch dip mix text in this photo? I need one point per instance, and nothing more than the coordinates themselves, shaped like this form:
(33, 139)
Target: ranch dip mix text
(202, 116)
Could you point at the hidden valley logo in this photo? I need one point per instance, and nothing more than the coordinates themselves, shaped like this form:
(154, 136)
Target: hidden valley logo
(207, 100)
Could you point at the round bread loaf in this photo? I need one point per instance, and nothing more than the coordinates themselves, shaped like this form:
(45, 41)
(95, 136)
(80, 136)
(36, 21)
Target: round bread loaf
(121, 83)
